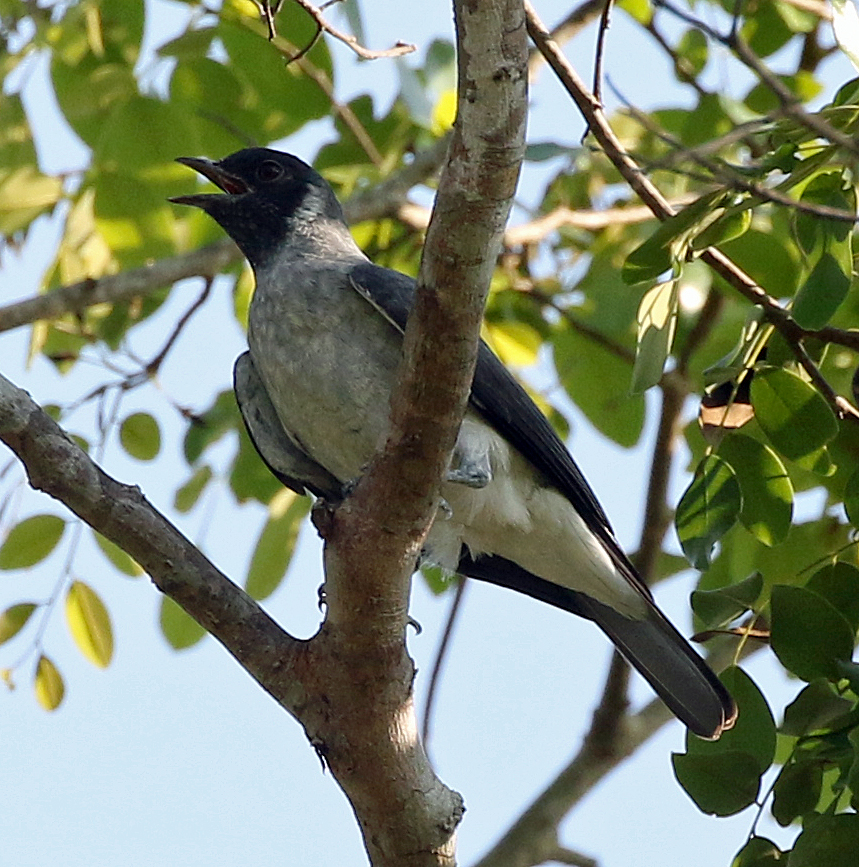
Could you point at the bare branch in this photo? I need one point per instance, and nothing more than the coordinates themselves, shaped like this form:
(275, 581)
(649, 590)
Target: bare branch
(576, 21)
(385, 199)
(56, 465)
(398, 50)
(589, 220)
(400, 490)
(563, 855)
(441, 654)
(790, 105)
(76, 297)
(662, 209)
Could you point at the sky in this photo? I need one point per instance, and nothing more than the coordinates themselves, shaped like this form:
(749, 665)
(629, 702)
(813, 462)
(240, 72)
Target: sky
(167, 758)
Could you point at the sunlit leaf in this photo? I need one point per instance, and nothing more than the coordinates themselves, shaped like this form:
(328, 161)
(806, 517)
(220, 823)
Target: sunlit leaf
(792, 413)
(31, 541)
(657, 321)
(177, 626)
(14, 618)
(276, 543)
(140, 436)
(89, 623)
(48, 684)
(707, 510)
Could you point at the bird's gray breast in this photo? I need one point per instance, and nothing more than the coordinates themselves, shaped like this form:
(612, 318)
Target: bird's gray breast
(327, 358)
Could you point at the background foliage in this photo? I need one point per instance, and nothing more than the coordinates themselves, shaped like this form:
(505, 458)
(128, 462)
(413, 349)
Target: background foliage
(754, 149)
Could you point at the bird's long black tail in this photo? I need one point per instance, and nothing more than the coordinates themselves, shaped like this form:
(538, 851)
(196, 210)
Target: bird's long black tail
(666, 660)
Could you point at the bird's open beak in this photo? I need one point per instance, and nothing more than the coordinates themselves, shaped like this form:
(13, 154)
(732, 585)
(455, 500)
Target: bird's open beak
(230, 184)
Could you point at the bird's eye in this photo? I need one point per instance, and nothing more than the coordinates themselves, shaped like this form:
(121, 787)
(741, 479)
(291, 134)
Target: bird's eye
(269, 171)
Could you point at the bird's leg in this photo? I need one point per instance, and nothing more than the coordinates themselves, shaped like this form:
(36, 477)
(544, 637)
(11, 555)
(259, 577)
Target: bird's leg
(469, 464)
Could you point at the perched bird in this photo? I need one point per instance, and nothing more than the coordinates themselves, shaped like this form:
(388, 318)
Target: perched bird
(325, 337)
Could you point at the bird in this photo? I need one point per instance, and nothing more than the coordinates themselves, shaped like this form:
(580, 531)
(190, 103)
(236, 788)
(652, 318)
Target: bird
(325, 333)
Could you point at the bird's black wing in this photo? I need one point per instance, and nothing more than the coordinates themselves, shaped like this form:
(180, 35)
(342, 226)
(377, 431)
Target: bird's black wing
(651, 644)
(505, 404)
(291, 466)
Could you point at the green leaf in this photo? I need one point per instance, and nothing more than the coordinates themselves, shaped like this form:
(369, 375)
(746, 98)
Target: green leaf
(14, 618)
(691, 54)
(48, 684)
(657, 322)
(178, 627)
(795, 417)
(276, 543)
(24, 194)
(186, 497)
(838, 584)
(816, 706)
(808, 634)
(438, 580)
(648, 261)
(753, 734)
(666, 247)
(797, 790)
(732, 224)
(208, 428)
(31, 541)
(140, 436)
(770, 260)
(821, 294)
(828, 841)
(597, 381)
(758, 852)
(765, 486)
(89, 624)
(718, 607)
(125, 563)
(720, 784)
(707, 510)
(250, 478)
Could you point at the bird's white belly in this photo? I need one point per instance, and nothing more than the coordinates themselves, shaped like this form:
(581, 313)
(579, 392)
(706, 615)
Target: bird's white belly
(517, 517)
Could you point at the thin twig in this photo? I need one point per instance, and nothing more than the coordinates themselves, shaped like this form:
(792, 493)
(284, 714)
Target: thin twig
(441, 655)
(790, 105)
(647, 191)
(383, 200)
(602, 32)
(315, 12)
(154, 365)
(576, 21)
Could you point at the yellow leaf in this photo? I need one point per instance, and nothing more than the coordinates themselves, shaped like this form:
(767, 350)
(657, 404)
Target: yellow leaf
(48, 684)
(89, 623)
(515, 343)
(444, 112)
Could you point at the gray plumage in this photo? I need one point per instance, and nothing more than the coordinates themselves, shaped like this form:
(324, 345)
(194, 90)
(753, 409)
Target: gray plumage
(325, 339)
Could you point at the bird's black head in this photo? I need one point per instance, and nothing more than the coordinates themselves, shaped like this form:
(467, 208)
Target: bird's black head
(268, 196)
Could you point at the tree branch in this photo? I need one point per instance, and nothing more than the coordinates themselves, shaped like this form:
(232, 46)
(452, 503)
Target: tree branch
(385, 199)
(662, 209)
(315, 12)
